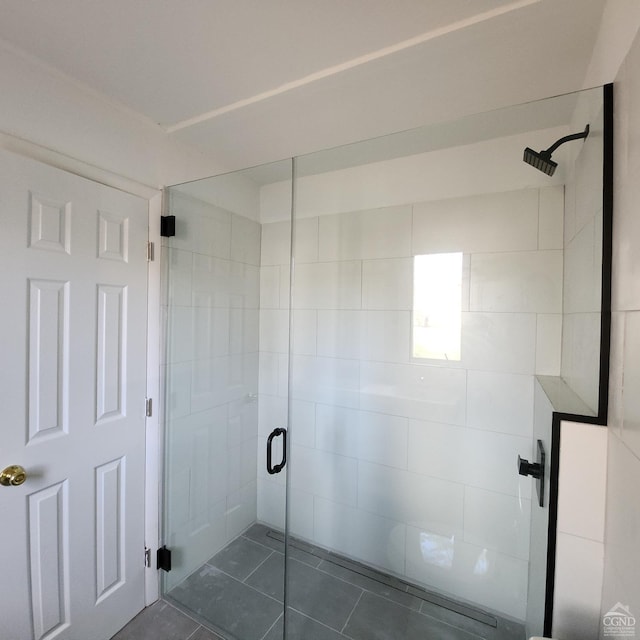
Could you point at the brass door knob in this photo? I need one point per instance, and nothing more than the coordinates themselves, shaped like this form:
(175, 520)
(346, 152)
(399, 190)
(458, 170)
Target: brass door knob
(13, 476)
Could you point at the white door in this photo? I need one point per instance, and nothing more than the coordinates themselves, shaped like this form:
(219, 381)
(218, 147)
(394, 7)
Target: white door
(73, 285)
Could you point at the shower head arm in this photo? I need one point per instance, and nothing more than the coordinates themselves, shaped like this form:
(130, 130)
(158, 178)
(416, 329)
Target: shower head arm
(573, 136)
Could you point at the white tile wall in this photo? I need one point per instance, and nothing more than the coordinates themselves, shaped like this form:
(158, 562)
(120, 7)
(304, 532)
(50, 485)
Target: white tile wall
(487, 223)
(361, 235)
(583, 268)
(588, 173)
(583, 264)
(582, 480)
(305, 332)
(631, 379)
(200, 227)
(580, 537)
(270, 287)
(374, 437)
(383, 336)
(274, 330)
(276, 242)
(212, 372)
(326, 380)
(245, 240)
(386, 336)
(581, 356)
(501, 342)
(271, 502)
(325, 474)
(414, 391)
(500, 402)
(368, 537)
(548, 344)
(339, 333)
(387, 284)
(178, 390)
(483, 459)
(387, 448)
(306, 240)
(616, 372)
(526, 282)
(536, 592)
(578, 587)
(474, 573)
(328, 285)
(498, 522)
(303, 423)
(551, 218)
(180, 273)
(622, 555)
(622, 524)
(272, 413)
(412, 498)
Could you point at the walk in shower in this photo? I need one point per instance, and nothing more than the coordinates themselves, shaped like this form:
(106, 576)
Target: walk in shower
(360, 343)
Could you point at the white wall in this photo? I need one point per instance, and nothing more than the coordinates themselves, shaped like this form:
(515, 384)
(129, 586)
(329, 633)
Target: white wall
(43, 106)
(622, 554)
(618, 29)
(580, 531)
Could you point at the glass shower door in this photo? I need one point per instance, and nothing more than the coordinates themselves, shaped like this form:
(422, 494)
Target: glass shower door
(226, 402)
(425, 301)
(341, 446)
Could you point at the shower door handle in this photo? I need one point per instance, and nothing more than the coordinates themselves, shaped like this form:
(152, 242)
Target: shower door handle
(274, 434)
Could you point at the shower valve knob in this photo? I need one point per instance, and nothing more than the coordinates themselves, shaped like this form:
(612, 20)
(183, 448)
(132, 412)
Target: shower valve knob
(526, 468)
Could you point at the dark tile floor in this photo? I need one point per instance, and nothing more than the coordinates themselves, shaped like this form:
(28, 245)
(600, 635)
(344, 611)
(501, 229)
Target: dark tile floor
(162, 621)
(239, 592)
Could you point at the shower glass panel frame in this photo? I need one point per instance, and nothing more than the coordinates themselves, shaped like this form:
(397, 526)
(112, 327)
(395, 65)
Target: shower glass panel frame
(425, 299)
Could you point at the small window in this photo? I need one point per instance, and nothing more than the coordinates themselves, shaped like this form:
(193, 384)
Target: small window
(437, 306)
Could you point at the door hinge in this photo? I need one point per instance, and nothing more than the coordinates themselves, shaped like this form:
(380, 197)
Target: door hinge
(150, 252)
(163, 558)
(147, 557)
(149, 407)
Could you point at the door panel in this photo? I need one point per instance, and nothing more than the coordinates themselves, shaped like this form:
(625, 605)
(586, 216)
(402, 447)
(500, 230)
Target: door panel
(73, 280)
(224, 513)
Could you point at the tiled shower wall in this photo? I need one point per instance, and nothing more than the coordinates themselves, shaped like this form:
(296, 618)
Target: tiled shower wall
(212, 380)
(411, 465)
(583, 264)
(622, 552)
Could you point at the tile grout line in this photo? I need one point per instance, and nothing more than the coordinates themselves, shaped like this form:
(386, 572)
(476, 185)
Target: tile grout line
(266, 595)
(275, 622)
(195, 631)
(352, 611)
(244, 581)
(363, 589)
(185, 611)
(323, 624)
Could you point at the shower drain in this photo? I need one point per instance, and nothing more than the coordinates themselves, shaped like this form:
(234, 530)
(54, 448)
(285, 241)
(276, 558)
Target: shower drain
(390, 581)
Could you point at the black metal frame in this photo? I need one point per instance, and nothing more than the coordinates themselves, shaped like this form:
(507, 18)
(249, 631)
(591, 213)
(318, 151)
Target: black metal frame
(605, 351)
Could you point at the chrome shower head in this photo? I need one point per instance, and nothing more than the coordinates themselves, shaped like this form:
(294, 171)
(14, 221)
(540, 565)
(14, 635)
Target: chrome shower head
(542, 161)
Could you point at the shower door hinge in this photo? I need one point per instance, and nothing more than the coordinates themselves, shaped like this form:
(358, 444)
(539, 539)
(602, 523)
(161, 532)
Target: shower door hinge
(149, 407)
(163, 558)
(147, 557)
(167, 226)
(150, 252)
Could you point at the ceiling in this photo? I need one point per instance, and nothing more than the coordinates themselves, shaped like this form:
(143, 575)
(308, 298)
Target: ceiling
(250, 81)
